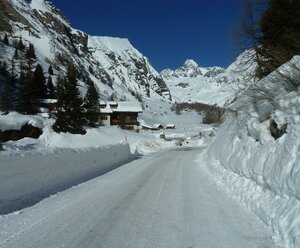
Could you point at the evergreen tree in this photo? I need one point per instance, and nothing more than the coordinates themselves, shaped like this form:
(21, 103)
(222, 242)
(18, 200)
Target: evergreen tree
(6, 96)
(25, 103)
(38, 84)
(91, 106)
(51, 89)
(13, 68)
(30, 57)
(3, 69)
(50, 70)
(7, 88)
(69, 116)
(20, 45)
(12, 82)
(30, 53)
(280, 34)
(16, 55)
(5, 40)
(61, 123)
(6, 91)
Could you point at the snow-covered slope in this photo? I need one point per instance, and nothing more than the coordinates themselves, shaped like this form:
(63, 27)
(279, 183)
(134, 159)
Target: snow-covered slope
(261, 171)
(112, 63)
(210, 85)
(126, 67)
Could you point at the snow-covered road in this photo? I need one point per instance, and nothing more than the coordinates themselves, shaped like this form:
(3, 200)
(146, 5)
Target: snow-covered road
(162, 200)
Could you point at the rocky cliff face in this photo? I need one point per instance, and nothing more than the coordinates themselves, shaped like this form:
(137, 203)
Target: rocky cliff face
(190, 69)
(113, 64)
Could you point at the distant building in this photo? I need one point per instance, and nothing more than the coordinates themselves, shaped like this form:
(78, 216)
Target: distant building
(46, 107)
(146, 127)
(158, 126)
(49, 104)
(150, 127)
(170, 126)
(123, 114)
(154, 127)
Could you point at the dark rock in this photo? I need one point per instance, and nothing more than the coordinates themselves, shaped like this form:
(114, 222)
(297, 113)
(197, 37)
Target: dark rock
(80, 39)
(26, 131)
(275, 131)
(9, 14)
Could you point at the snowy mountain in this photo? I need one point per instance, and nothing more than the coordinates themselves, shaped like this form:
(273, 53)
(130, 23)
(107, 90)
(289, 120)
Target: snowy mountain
(112, 63)
(210, 85)
(190, 69)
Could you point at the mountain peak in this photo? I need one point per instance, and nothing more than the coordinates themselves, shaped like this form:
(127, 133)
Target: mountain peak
(190, 63)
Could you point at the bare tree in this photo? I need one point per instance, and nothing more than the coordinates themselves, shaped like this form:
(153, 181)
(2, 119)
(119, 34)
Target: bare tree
(247, 32)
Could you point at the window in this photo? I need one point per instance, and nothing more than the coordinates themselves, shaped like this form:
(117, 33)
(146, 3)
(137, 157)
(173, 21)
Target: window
(113, 106)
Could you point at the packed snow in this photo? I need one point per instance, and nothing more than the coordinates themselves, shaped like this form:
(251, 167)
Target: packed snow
(15, 121)
(162, 200)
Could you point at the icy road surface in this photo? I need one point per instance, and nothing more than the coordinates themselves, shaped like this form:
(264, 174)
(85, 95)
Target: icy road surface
(162, 200)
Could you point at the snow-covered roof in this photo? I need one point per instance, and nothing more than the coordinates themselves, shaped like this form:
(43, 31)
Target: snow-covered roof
(110, 107)
(106, 110)
(146, 126)
(108, 102)
(155, 126)
(158, 125)
(170, 125)
(129, 107)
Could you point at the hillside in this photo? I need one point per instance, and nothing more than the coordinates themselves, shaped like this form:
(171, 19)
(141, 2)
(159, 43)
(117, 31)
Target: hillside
(112, 63)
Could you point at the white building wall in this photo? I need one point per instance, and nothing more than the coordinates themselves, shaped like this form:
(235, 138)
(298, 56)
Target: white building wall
(107, 121)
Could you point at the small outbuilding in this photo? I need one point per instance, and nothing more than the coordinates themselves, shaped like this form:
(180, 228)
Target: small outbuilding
(146, 127)
(153, 127)
(49, 104)
(170, 126)
(158, 126)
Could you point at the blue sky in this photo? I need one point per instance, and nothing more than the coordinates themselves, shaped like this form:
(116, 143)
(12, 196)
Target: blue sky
(166, 31)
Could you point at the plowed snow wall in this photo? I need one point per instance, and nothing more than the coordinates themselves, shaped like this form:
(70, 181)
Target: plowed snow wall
(26, 179)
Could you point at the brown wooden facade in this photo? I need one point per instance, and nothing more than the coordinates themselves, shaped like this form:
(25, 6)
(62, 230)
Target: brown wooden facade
(127, 120)
(123, 114)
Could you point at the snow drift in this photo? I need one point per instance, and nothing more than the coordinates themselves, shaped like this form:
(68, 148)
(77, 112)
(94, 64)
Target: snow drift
(260, 171)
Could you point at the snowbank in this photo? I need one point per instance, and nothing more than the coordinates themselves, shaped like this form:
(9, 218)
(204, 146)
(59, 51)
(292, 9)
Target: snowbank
(36, 168)
(261, 172)
(15, 121)
(26, 179)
